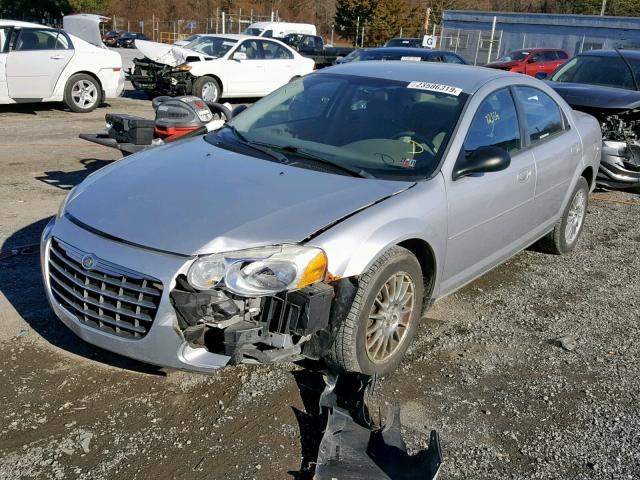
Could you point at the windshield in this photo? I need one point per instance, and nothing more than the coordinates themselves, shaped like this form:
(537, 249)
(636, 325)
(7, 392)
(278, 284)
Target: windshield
(378, 127)
(598, 70)
(514, 56)
(211, 46)
(364, 55)
(253, 31)
(404, 42)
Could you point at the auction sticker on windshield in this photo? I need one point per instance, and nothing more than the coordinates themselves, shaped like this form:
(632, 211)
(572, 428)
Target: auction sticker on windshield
(436, 87)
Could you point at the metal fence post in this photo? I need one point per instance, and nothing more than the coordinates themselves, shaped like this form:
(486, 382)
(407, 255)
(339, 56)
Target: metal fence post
(493, 31)
(475, 60)
(223, 24)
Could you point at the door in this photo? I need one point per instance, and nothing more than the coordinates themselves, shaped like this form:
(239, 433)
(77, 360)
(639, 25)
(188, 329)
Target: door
(557, 150)
(489, 214)
(534, 64)
(245, 70)
(279, 65)
(36, 62)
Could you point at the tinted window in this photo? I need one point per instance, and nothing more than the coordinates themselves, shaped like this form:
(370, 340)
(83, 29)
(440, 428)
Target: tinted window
(562, 55)
(273, 51)
(592, 70)
(437, 58)
(376, 125)
(536, 58)
(45, 39)
(542, 113)
(549, 56)
(495, 124)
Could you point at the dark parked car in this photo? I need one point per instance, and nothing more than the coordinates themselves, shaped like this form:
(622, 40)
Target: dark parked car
(128, 39)
(531, 61)
(404, 54)
(110, 38)
(404, 42)
(313, 46)
(605, 84)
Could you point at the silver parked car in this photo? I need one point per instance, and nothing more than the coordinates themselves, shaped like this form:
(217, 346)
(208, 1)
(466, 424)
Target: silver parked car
(323, 220)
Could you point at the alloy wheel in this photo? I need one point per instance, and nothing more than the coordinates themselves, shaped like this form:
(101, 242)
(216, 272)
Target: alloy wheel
(575, 217)
(84, 94)
(389, 318)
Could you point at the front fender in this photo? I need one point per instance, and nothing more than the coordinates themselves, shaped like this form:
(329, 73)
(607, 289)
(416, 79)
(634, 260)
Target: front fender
(418, 213)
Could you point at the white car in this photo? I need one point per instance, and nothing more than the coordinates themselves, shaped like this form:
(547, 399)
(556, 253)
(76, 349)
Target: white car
(43, 64)
(216, 66)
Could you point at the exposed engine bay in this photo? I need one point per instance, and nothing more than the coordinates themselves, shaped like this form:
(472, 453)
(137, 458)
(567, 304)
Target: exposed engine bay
(620, 165)
(283, 327)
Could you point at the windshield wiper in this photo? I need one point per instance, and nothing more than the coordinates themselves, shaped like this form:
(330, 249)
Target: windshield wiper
(255, 146)
(302, 153)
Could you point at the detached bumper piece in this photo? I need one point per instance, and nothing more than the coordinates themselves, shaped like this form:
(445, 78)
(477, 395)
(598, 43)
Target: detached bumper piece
(252, 330)
(620, 165)
(353, 448)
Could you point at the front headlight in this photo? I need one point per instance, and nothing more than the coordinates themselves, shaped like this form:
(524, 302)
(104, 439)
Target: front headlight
(260, 271)
(183, 67)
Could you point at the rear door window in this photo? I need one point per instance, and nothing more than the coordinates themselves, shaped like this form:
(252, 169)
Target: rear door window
(450, 58)
(543, 115)
(495, 124)
(273, 51)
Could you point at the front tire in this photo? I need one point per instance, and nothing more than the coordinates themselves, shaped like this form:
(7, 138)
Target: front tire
(382, 321)
(566, 233)
(208, 89)
(82, 93)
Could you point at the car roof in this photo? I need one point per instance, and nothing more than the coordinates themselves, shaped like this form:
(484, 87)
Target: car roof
(16, 23)
(467, 77)
(634, 54)
(414, 50)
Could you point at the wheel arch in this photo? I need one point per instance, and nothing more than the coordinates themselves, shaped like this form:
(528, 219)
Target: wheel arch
(588, 175)
(212, 75)
(427, 260)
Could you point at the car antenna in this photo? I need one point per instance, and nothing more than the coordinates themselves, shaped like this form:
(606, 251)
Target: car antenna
(633, 77)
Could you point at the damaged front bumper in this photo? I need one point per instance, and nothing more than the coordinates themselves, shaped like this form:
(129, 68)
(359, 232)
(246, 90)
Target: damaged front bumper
(157, 78)
(620, 164)
(156, 317)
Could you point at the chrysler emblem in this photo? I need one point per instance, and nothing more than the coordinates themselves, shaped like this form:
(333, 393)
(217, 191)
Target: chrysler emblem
(88, 262)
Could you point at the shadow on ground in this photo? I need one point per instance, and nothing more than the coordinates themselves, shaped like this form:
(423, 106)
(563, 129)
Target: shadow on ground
(68, 180)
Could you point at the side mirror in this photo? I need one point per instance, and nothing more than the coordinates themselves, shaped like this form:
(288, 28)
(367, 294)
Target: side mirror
(531, 60)
(541, 75)
(239, 56)
(482, 160)
(238, 109)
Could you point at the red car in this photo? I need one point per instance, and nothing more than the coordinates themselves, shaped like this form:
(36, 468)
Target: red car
(531, 61)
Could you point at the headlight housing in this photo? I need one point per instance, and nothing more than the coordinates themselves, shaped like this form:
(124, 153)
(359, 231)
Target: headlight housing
(262, 271)
(184, 67)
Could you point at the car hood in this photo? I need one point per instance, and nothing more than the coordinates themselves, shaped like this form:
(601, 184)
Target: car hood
(193, 198)
(171, 55)
(502, 64)
(582, 96)
(84, 26)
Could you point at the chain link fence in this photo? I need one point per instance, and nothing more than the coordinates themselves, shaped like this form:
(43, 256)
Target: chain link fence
(483, 46)
(168, 31)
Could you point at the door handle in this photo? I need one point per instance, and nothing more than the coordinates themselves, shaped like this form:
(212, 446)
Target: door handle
(56, 57)
(524, 175)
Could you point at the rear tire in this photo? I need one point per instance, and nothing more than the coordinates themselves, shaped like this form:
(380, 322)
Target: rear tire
(208, 89)
(382, 321)
(82, 93)
(566, 233)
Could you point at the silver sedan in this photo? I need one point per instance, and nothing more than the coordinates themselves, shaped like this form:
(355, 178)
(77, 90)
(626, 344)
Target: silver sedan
(322, 221)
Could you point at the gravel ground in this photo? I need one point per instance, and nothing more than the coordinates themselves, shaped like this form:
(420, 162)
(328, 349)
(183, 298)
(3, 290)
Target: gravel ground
(530, 372)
